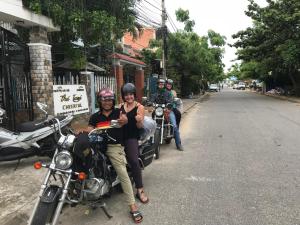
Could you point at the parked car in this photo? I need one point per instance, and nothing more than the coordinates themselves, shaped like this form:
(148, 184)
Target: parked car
(213, 87)
(241, 86)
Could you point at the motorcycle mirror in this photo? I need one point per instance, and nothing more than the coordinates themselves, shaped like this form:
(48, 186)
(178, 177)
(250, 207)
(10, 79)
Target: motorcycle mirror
(144, 100)
(42, 107)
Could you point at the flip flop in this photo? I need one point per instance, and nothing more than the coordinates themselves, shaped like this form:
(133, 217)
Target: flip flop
(139, 197)
(137, 216)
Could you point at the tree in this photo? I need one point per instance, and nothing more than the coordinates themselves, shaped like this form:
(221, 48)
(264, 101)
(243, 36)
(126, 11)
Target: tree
(274, 41)
(92, 22)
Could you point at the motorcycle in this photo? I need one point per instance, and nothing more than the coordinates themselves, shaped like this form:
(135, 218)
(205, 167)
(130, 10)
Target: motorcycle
(30, 138)
(165, 130)
(66, 182)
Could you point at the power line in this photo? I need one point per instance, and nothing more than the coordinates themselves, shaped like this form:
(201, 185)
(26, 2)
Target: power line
(172, 22)
(153, 5)
(151, 10)
(147, 17)
(145, 22)
(147, 13)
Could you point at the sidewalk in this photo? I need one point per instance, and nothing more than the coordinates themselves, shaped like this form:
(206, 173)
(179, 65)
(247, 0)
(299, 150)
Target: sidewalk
(286, 98)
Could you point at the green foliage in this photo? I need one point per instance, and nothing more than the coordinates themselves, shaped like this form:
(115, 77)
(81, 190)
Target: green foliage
(184, 17)
(273, 42)
(93, 22)
(195, 60)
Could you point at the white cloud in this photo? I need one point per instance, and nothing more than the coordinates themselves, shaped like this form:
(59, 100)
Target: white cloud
(226, 17)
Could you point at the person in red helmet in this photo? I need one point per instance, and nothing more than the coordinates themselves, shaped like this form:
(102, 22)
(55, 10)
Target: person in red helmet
(115, 149)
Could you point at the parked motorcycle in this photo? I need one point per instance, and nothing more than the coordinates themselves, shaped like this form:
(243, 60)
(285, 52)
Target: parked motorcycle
(67, 182)
(31, 138)
(161, 114)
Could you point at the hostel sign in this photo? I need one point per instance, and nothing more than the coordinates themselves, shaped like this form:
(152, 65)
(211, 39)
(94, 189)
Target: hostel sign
(70, 99)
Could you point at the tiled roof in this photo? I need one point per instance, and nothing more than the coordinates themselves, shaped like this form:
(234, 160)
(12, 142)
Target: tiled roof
(127, 59)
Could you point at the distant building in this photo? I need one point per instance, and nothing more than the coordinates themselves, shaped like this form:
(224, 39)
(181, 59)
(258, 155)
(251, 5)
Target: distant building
(134, 45)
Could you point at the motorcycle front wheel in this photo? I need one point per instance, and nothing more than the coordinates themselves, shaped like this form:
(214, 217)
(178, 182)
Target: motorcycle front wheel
(44, 212)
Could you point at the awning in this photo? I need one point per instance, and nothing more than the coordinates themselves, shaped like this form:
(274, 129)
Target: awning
(67, 65)
(14, 12)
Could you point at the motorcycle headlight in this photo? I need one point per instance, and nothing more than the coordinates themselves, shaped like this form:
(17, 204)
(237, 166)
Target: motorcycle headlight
(63, 160)
(159, 111)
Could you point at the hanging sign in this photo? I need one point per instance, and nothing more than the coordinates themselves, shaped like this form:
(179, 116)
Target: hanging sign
(70, 99)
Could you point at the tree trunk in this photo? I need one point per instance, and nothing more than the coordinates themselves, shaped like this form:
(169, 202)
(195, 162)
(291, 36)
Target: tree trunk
(296, 86)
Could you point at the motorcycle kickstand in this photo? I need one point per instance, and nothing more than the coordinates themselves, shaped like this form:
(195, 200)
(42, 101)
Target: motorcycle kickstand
(18, 163)
(102, 205)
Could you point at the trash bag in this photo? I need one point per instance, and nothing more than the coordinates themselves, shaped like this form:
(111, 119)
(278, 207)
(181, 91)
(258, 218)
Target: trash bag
(148, 129)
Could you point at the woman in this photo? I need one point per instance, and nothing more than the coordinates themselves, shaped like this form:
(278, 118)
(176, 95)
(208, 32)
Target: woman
(135, 113)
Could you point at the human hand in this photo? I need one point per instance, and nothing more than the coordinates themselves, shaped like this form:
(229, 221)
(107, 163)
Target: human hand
(122, 119)
(138, 118)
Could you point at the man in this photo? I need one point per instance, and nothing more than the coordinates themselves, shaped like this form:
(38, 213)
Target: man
(164, 97)
(115, 151)
(161, 96)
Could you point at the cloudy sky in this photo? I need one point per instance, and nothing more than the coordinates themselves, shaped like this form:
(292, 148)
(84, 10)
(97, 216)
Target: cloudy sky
(223, 16)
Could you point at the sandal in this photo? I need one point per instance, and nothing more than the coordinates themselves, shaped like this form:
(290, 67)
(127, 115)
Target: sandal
(137, 216)
(138, 195)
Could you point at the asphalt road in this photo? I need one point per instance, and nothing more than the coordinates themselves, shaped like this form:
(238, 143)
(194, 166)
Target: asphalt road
(241, 166)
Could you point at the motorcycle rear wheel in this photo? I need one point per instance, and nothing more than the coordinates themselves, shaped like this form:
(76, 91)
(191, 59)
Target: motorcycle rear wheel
(168, 140)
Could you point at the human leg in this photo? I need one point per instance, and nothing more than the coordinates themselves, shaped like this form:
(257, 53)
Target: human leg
(177, 116)
(131, 150)
(116, 155)
(176, 131)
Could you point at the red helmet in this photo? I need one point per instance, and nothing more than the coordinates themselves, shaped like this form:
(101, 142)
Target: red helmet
(105, 94)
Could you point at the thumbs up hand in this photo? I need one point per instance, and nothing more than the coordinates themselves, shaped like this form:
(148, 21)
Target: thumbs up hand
(122, 119)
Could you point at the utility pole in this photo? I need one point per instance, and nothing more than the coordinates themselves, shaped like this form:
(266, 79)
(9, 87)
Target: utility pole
(164, 47)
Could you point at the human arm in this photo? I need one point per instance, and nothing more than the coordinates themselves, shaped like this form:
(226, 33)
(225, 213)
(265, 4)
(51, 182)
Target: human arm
(122, 118)
(140, 115)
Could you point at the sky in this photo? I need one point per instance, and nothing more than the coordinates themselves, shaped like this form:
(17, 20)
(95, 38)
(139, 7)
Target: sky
(226, 17)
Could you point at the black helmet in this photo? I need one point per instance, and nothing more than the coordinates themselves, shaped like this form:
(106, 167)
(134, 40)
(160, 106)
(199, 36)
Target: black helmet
(128, 88)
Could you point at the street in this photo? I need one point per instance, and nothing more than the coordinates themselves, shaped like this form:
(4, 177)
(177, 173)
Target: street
(241, 166)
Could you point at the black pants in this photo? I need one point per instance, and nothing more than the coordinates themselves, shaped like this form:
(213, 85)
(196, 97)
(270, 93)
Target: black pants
(132, 155)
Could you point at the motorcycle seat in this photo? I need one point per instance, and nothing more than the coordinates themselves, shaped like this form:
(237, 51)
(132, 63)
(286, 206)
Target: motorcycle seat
(33, 125)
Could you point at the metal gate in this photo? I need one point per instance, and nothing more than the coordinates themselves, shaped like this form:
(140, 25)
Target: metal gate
(15, 82)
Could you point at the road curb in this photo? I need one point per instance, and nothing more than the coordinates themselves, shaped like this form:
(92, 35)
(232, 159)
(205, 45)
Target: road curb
(196, 101)
(284, 98)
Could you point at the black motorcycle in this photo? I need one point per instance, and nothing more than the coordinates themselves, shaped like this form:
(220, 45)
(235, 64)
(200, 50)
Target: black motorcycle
(69, 182)
(164, 131)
